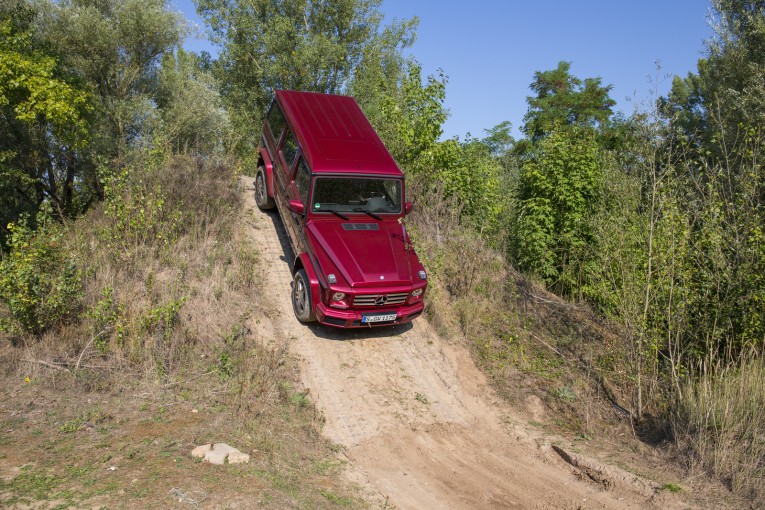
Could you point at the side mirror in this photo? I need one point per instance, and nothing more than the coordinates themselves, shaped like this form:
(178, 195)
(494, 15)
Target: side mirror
(408, 206)
(296, 206)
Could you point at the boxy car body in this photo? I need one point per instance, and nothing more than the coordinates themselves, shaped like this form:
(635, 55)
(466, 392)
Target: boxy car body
(341, 198)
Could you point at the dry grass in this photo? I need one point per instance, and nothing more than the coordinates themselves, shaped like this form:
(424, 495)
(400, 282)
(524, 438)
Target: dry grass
(171, 280)
(718, 420)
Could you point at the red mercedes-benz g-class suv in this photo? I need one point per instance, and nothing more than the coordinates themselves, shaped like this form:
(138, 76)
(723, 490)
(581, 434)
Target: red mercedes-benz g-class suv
(341, 199)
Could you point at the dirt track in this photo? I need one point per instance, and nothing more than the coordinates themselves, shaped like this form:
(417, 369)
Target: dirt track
(417, 420)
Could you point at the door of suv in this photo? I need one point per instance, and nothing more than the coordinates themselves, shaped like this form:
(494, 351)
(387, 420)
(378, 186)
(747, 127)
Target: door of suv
(284, 171)
(300, 190)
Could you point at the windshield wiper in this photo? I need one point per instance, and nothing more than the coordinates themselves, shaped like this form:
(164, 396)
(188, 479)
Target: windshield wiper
(378, 218)
(336, 213)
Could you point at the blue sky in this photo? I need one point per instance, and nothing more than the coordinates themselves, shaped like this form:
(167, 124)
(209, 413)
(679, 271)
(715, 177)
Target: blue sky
(490, 50)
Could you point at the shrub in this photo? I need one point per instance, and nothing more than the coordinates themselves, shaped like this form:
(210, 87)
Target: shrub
(557, 188)
(108, 319)
(39, 283)
(139, 215)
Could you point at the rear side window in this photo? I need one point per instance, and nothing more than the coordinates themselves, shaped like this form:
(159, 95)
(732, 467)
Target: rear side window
(302, 180)
(276, 121)
(289, 149)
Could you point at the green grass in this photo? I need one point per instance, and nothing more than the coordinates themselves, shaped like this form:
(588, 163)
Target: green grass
(32, 484)
(338, 500)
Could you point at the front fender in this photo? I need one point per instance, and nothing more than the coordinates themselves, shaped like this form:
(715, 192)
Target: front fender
(305, 261)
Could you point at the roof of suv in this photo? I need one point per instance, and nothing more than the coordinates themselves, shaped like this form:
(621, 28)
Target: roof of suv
(334, 135)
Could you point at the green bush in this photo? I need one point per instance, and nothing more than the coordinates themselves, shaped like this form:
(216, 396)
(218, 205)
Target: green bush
(39, 283)
(557, 189)
(139, 215)
(108, 319)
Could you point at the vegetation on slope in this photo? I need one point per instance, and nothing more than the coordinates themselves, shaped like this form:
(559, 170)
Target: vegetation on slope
(647, 228)
(103, 406)
(128, 278)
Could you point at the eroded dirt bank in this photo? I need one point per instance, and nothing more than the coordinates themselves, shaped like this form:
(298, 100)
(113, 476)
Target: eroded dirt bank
(418, 421)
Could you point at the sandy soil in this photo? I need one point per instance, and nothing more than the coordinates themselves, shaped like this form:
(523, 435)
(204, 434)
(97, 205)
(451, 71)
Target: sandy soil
(417, 420)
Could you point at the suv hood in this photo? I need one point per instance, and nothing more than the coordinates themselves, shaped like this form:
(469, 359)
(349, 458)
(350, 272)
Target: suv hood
(367, 254)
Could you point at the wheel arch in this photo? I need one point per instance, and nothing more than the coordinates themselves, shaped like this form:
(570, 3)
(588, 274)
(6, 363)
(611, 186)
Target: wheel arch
(264, 160)
(302, 261)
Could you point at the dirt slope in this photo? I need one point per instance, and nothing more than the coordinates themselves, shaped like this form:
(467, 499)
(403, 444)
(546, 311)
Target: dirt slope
(418, 421)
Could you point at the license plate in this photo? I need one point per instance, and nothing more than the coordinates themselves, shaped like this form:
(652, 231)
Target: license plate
(367, 319)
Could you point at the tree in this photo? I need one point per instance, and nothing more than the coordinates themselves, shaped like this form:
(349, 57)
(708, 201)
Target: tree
(384, 81)
(114, 47)
(498, 139)
(720, 112)
(286, 44)
(42, 118)
(558, 183)
(190, 107)
(410, 117)
(728, 89)
(736, 63)
(564, 100)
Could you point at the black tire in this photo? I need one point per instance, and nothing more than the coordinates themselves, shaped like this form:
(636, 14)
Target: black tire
(302, 303)
(264, 202)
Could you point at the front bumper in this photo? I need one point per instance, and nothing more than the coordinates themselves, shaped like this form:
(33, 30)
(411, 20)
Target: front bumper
(352, 318)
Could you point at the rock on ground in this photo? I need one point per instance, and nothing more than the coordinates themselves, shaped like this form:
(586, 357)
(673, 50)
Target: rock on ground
(220, 453)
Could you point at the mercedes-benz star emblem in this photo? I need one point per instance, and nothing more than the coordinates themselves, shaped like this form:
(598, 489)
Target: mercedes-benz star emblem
(381, 300)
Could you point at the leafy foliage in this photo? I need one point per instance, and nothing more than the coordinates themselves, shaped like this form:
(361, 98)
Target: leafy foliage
(190, 107)
(108, 319)
(565, 100)
(558, 185)
(29, 85)
(42, 117)
(79, 98)
(413, 114)
(40, 283)
(114, 46)
(287, 44)
(468, 172)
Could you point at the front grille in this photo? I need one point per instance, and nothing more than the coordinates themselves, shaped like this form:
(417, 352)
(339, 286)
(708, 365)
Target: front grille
(380, 299)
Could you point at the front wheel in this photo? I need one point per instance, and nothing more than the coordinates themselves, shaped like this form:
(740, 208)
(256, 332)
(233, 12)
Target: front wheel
(301, 297)
(261, 191)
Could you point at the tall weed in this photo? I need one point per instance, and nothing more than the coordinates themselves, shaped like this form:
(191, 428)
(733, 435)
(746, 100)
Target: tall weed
(718, 419)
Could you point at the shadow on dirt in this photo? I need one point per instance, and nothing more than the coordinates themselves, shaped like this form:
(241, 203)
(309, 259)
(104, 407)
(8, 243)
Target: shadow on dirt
(328, 332)
(281, 233)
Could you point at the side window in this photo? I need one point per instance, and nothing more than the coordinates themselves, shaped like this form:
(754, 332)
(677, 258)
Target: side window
(302, 180)
(289, 149)
(276, 121)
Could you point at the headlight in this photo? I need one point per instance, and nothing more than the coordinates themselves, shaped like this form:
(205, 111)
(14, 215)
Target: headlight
(416, 292)
(338, 296)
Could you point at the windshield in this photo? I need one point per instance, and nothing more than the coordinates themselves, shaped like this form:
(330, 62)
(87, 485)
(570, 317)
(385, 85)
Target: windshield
(356, 194)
